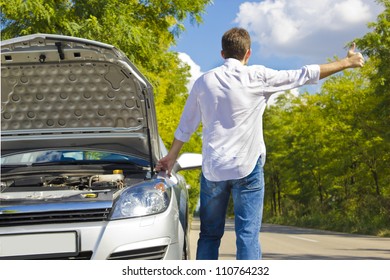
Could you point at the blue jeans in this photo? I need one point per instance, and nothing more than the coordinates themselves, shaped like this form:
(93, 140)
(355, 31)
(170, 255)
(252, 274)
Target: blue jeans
(248, 196)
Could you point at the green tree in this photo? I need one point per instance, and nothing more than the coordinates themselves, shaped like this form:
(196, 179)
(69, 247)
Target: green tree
(144, 29)
(327, 162)
(329, 153)
(376, 45)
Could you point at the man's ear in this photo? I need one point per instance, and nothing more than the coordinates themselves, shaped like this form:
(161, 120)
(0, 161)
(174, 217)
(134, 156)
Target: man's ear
(247, 55)
(223, 54)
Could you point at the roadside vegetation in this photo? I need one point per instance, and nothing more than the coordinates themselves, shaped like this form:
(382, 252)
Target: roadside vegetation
(328, 154)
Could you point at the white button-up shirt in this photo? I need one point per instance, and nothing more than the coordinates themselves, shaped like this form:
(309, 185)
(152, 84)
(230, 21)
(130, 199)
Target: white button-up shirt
(230, 101)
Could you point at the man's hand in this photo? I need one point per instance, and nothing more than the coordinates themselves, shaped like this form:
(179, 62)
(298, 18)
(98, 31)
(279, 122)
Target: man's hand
(355, 58)
(352, 60)
(165, 164)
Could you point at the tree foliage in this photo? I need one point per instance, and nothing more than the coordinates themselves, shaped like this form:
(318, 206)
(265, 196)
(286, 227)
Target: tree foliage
(329, 153)
(376, 45)
(144, 29)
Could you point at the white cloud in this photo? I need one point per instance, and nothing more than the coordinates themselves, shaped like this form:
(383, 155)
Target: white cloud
(308, 29)
(194, 69)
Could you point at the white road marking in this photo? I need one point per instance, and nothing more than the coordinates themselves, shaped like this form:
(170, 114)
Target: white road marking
(302, 238)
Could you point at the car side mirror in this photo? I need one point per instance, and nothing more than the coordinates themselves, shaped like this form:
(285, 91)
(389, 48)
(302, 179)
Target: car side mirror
(188, 161)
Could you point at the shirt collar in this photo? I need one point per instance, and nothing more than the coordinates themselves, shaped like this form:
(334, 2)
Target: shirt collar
(233, 63)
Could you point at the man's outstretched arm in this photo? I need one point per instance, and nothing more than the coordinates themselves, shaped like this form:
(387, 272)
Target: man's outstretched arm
(352, 60)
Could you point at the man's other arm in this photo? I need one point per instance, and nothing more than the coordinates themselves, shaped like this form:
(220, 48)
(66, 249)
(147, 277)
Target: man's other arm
(352, 60)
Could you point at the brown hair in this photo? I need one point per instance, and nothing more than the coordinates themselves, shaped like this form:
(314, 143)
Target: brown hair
(235, 43)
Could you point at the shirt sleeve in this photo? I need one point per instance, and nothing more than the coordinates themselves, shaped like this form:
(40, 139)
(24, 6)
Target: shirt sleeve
(288, 79)
(190, 117)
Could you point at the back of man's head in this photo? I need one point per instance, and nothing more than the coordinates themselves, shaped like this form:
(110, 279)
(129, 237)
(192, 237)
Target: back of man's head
(235, 43)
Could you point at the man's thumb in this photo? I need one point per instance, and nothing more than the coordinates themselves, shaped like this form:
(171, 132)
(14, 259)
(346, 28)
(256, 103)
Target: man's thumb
(352, 48)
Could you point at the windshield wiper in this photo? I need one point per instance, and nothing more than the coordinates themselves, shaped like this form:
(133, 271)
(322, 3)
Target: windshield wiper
(48, 163)
(13, 165)
(82, 162)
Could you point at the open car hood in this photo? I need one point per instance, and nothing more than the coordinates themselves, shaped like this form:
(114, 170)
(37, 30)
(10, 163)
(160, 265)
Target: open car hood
(61, 91)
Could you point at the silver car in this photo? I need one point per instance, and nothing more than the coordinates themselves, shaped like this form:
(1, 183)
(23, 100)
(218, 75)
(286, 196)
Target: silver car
(79, 142)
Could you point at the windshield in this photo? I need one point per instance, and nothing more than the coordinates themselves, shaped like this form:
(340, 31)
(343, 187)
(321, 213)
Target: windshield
(47, 156)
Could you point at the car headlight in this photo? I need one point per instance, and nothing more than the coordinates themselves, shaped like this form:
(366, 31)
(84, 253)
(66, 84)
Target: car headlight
(142, 200)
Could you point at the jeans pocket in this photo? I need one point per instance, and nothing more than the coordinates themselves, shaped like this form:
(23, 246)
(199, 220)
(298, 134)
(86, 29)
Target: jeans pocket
(254, 181)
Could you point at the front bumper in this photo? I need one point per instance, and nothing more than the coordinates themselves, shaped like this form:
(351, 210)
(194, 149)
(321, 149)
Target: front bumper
(154, 237)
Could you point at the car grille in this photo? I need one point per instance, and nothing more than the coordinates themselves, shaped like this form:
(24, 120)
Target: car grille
(35, 218)
(152, 253)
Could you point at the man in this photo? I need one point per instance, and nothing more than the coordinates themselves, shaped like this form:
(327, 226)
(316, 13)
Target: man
(229, 101)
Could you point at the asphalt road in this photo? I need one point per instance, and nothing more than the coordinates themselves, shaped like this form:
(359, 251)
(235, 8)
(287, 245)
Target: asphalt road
(291, 243)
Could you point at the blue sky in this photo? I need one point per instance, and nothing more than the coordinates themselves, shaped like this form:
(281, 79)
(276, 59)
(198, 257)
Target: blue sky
(286, 34)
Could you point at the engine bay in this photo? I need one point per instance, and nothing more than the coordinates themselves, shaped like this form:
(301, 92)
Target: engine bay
(26, 183)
